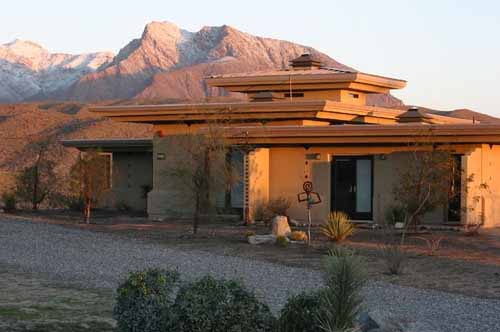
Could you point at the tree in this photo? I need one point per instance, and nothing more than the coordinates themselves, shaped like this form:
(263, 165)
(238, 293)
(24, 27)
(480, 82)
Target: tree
(199, 168)
(425, 181)
(90, 179)
(37, 182)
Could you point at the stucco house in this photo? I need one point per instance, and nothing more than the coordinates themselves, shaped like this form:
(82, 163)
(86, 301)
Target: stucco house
(309, 123)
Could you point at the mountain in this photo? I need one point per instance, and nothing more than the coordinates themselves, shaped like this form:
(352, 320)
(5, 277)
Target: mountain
(28, 71)
(165, 63)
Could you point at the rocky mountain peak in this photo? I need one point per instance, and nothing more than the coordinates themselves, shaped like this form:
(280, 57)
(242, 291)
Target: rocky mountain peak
(25, 48)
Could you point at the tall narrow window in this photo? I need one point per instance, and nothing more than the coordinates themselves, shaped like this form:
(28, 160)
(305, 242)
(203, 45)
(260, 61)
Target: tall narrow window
(363, 185)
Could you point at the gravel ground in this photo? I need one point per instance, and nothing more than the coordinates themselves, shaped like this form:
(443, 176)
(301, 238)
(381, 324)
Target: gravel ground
(102, 260)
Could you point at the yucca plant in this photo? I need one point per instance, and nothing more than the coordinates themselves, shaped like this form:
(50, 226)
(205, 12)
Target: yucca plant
(337, 227)
(341, 299)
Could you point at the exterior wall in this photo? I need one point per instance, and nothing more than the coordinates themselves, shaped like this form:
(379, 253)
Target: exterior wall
(258, 179)
(289, 168)
(131, 172)
(167, 199)
(482, 186)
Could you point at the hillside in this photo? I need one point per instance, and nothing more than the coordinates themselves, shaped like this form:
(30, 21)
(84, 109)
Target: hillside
(165, 62)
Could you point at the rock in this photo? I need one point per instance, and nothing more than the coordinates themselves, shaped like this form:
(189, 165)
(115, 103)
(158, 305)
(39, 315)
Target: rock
(399, 225)
(261, 239)
(294, 223)
(366, 323)
(280, 226)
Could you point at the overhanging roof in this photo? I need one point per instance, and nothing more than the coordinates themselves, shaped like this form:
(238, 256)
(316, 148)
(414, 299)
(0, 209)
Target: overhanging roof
(308, 79)
(403, 134)
(240, 112)
(111, 145)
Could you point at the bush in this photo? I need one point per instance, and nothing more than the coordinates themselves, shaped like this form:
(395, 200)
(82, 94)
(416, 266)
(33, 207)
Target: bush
(275, 207)
(298, 236)
(337, 227)
(73, 203)
(219, 306)
(144, 300)
(282, 241)
(122, 206)
(278, 206)
(341, 298)
(9, 202)
(395, 214)
(300, 313)
(394, 257)
(249, 233)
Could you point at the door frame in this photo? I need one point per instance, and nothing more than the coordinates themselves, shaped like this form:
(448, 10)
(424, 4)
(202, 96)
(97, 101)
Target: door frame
(355, 216)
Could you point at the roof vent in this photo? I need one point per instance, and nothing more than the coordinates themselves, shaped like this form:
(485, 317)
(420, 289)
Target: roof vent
(266, 96)
(305, 61)
(414, 115)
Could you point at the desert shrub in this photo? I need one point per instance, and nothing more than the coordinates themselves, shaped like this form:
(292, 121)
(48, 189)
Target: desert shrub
(394, 257)
(395, 214)
(341, 299)
(278, 206)
(144, 299)
(9, 202)
(73, 203)
(122, 206)
(300, 313)
(249, 233)
(260, 212)
(298, 236)
(337, 227)
(219, 306)
(282, 241)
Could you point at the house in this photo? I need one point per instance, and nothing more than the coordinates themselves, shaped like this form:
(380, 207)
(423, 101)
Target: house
(312, 123)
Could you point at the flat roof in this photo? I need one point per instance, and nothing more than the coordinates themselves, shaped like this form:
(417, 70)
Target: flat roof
(307, 109)
(111, 145)
(305, 79)
(403, 134)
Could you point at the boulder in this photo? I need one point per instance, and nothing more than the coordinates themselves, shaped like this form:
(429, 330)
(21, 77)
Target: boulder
(281, 226)
(261, 239)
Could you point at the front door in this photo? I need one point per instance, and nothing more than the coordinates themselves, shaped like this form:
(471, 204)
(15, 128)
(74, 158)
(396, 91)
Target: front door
(352, 186)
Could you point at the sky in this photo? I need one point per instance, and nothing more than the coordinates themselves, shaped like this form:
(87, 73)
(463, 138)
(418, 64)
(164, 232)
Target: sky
(447, 50)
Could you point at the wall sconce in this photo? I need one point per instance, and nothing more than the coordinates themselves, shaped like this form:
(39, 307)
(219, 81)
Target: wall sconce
(313, 156)
(382, 157)
(160, 156)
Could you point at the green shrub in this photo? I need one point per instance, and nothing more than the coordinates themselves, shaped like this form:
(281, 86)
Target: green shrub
(395, 214)
(337, 227)
(144, 300)
(341, 298)
(394, 257)
(9, 202)
(73, 203)
(300, 313)
(282, 241)
(219, 306)
(122, 206)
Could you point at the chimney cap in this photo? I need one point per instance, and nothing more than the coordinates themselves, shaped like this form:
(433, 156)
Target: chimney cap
(306, 60)
(414, 114)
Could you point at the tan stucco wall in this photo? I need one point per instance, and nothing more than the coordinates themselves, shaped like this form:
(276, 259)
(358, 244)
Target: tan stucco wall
(482, 199)
(258, 179)
(288, 171)
(130, 172)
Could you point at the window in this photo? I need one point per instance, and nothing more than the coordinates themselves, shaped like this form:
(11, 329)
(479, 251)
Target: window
(354, 95)
(294, 94)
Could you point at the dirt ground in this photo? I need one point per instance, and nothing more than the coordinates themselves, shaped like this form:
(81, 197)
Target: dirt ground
(463, 264)
(33, 303)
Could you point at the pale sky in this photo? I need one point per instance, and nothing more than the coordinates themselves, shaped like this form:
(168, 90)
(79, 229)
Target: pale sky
(447, 50)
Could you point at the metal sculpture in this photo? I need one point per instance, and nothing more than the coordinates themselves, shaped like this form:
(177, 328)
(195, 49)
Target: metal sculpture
(311, 198)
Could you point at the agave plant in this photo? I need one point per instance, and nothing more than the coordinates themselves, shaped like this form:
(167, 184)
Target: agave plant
(337, 227)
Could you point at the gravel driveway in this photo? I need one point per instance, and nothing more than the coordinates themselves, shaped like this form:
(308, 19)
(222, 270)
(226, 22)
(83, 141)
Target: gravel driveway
(101, 260)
